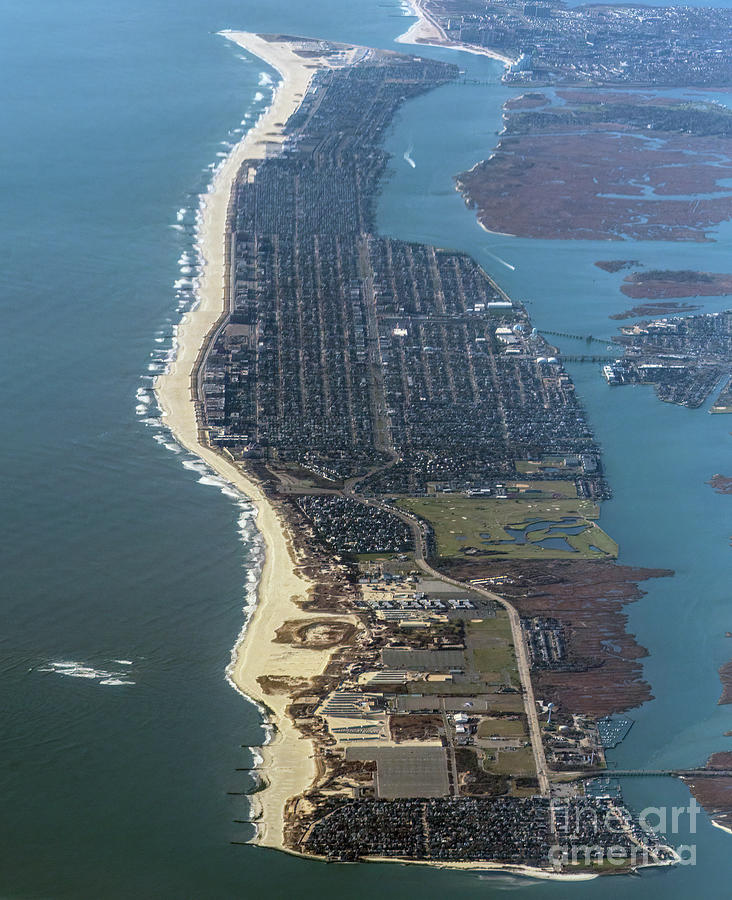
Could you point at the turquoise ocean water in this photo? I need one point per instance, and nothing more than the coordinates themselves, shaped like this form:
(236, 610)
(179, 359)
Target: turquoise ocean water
(125, 567)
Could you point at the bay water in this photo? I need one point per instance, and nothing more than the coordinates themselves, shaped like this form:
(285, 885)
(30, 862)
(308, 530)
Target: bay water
(126, 567)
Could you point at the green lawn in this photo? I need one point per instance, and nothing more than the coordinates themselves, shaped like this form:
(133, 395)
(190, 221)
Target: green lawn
(567, 489)
(463, 524)
(506, 702)
(490, 649)
(513, 762)
(503, 727)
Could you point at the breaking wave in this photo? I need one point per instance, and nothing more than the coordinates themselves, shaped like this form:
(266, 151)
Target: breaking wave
(75, 669)
(186, 293)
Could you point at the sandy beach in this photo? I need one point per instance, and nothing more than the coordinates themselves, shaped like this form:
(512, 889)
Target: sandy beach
(281, 583)
(289, 756)
(289, 765)
(494, 868)
(426, 31)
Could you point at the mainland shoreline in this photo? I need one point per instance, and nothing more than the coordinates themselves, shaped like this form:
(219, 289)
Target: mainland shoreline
(426, 31)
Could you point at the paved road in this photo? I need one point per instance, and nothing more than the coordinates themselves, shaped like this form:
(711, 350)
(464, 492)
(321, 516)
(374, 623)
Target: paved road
(519, 642)
(522, 662)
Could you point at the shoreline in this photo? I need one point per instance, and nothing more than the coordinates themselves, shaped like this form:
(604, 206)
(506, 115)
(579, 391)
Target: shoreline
(493, 868)
(280, 583)
(426, 33)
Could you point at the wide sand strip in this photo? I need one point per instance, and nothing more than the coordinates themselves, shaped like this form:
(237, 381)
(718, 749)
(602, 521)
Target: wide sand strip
(281, 583)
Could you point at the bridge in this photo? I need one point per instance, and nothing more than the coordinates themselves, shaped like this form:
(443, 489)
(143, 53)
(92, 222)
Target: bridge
(588, 338)
(585, 358)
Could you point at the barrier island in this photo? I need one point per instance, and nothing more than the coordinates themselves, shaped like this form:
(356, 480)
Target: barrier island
(422, 470)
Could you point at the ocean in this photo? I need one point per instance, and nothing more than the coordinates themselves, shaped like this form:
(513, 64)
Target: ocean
(126, 566)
